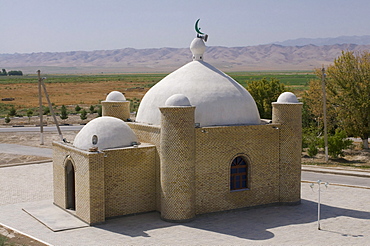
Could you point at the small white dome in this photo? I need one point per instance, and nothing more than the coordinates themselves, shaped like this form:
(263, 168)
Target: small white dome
(198, 48)
(177, 100)
(287, 97)
(115, 96)
(111, 132)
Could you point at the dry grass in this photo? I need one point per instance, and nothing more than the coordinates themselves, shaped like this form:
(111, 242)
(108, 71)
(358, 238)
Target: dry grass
(82, 93)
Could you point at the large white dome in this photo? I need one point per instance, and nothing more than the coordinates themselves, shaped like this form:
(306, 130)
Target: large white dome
(110, 132)
(219, 99)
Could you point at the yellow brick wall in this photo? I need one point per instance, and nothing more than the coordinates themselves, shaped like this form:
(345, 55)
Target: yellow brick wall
(125, 181)
(177, 163)
(150, 134)
(89, 181)
(120, 110)
(216, 149)
(130, 180)
(290, 118)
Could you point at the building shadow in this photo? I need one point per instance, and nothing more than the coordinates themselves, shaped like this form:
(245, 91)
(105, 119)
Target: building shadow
(253, 224)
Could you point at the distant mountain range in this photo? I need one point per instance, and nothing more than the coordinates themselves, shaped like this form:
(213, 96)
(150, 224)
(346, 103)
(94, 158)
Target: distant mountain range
(128, 60)
(361, 40)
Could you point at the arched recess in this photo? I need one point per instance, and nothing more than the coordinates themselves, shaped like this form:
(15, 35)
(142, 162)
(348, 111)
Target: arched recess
(70, 180)
(239, 173)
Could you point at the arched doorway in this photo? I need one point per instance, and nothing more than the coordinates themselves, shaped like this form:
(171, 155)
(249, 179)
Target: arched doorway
(70, 186)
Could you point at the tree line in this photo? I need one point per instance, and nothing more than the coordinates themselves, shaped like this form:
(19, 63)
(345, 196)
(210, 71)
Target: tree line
(347, 85)
(10, 73)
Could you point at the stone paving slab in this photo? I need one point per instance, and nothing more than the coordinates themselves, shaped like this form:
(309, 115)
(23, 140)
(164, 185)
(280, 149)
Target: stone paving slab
(53, 217)
(345, 219)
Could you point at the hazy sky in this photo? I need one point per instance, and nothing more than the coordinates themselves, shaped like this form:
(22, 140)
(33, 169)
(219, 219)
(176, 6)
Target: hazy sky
(70, 25)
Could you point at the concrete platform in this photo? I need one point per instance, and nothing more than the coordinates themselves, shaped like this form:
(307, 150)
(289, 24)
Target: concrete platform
(345, 219)
(53, 217)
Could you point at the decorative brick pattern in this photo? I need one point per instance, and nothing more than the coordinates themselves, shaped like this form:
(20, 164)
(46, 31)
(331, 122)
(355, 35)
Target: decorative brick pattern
(130, 180)
(290, 118)
(177, 168)
(181, 170)
(89, 181)
(216, 149)
(151, 134)
(120, 110)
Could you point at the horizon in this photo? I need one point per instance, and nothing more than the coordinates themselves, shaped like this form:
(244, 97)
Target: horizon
(53, 26)
(273, 43)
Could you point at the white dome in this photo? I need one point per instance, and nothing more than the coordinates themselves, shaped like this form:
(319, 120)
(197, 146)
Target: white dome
(219, 100)
(197, 48)
(287, 97)
(111, 132)
(177, 100)
(115, 96)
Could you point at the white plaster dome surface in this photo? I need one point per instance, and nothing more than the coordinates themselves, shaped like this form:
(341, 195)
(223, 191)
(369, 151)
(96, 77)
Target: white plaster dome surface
(287, 97)
(219, 100)
(115, 96)
(177, 100)
(111, 132)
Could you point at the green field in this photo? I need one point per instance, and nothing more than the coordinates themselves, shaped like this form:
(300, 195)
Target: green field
(93, 87)
(293, 78)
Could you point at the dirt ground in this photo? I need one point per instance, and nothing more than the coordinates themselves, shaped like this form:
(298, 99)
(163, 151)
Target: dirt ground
(11, 238)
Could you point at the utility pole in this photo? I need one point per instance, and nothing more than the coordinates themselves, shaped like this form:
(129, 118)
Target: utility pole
(41, 83)
(40, 110)
(52, 110)
(324, 109)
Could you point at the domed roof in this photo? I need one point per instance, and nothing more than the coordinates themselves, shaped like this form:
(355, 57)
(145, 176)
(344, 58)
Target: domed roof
(110, 132)
(115, 96)
(287, 97)
(177, 100)
(219, 100)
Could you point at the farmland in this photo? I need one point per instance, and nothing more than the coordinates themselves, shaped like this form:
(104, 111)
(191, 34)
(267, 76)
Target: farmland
(86, 90)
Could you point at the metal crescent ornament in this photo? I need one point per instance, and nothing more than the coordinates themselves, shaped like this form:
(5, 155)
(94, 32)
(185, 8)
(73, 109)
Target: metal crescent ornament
(197, 29)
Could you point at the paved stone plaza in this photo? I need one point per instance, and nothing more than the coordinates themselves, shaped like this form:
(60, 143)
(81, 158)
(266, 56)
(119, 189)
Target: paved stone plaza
(345, 219)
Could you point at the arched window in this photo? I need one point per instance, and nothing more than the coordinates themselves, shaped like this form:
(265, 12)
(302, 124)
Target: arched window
(238, 174)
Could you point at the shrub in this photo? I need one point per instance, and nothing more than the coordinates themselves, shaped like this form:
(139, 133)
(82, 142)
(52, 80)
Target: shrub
(312, 150)
(46, 110)
(7, 119)
(92, 109)
(337, 143)
(12, 111)
(63, 113)
(29, 112)
(100, 111)
(77, 108)
(310, 140)
(83, 115)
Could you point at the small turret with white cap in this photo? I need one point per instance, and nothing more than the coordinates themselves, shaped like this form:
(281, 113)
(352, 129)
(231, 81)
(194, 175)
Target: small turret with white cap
(116, 105)
(287, 112)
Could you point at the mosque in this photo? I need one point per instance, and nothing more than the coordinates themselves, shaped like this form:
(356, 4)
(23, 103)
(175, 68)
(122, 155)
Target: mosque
(197, 146)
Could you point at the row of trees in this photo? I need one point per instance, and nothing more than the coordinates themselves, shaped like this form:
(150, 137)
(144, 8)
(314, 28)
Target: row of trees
(348, 96)
(63, 112)
(10, 73)
(348, 109)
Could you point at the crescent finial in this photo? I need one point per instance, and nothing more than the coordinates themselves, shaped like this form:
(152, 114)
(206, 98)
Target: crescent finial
(197, 29)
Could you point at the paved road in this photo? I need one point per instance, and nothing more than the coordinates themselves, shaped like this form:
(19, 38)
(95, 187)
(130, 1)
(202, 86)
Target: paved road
(37, 129)
(336, 179)
(25, 150)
